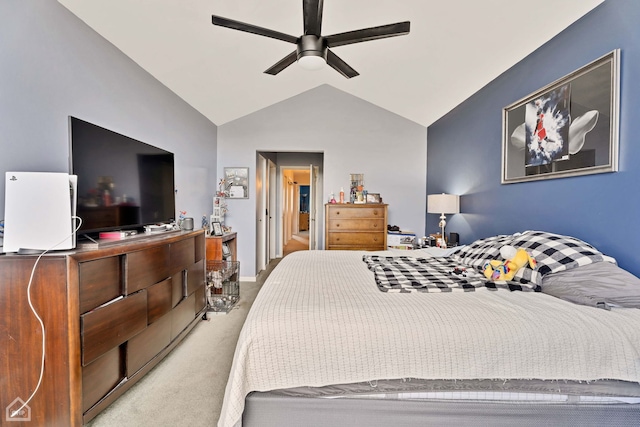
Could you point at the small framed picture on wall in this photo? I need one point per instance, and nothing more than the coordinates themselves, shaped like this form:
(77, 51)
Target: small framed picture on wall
(237, 182)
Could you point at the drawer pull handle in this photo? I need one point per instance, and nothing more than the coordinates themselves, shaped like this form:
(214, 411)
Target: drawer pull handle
(375, 225)
(337, 225)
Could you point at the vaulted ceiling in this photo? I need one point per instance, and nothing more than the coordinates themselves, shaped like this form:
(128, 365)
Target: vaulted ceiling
(455, 47)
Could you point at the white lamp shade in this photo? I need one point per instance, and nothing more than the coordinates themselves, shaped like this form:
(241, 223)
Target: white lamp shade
(443, 203)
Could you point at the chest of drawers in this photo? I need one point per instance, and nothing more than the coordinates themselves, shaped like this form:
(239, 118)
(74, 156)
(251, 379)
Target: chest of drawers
(356, 226)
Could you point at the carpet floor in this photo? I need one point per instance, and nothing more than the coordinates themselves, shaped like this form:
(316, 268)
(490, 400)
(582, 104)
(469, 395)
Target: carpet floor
(187, 387)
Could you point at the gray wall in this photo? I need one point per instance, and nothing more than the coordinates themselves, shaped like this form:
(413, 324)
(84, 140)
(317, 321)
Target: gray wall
(355, 137)
(53, 66)
(601, 209)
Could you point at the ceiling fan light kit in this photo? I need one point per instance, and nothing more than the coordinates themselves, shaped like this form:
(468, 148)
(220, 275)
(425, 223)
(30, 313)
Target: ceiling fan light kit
(312, 49)
(311, 52)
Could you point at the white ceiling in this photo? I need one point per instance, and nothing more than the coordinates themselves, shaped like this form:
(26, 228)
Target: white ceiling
(455, 47)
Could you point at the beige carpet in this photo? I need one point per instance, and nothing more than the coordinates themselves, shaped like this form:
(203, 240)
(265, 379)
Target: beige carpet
(187, 387)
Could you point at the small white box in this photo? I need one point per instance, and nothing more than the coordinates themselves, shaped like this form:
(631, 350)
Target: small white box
(400, 240)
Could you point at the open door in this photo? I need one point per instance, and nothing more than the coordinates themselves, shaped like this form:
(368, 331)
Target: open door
(262, 193)
(272, 207)
(313, 225)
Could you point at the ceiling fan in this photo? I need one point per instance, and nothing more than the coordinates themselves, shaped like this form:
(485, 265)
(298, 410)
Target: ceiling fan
(312, 49)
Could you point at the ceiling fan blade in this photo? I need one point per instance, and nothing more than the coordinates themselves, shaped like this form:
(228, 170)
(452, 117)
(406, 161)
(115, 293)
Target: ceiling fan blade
(373, 33)
(312, 14)
(241, 26)
(340, 66)
(283, 63)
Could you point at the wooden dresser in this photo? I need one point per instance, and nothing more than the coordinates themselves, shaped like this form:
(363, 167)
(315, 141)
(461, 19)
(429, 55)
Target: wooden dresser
(355, 226)
(110, 315)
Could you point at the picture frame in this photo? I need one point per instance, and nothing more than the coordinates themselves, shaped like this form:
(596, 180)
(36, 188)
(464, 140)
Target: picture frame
(226, 251)
(216, 229)
(237, 182)
(373, 198)
(567, 128)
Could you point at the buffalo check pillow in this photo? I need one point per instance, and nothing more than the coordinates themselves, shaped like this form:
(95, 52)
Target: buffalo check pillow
(478, 253)
(552, 252)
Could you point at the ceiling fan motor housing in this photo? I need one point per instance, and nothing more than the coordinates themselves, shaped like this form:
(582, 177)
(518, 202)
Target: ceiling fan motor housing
(312, 45)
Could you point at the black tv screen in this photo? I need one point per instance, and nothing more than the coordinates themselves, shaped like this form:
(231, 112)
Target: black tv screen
(123, 183)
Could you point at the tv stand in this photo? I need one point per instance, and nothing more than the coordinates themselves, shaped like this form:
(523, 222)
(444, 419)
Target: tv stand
(110, 315)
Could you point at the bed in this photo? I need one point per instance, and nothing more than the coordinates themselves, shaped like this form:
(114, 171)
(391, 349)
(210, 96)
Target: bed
(358, 338)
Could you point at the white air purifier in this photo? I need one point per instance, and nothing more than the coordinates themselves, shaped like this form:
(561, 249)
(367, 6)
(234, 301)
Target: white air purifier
(38, 211)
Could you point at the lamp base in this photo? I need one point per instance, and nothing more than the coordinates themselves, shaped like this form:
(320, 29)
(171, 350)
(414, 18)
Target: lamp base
(442, 224)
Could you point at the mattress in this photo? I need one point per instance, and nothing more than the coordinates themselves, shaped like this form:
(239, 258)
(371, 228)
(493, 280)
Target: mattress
(320, 320)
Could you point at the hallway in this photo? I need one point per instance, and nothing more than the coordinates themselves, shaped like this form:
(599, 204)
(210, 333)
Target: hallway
(299, 242)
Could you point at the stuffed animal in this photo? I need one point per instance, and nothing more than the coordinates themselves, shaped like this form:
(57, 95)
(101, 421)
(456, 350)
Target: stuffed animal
(505, 270)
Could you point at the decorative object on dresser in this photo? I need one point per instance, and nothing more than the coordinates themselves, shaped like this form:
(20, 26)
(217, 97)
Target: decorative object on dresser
(356, 187)
(216, 229)
(108, 315)
(443, 204)
(356, 226)
(373, 198)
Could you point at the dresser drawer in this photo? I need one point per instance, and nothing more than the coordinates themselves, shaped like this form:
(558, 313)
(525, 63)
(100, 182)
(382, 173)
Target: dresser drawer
(147, 267)
(356, 212)
(195, 277)
(159, 300)
(183, 253)
(98, 282)
(109, 326)
(372, 225)
(147, 344)
(101, 376)
(357, 239)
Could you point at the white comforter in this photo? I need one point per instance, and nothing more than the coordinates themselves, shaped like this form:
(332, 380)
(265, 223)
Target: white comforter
(320, 319)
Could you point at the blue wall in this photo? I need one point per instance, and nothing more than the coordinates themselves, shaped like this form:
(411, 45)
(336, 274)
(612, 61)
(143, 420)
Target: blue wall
(464, 148)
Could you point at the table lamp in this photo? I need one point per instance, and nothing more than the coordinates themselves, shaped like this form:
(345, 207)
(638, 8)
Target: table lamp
(443, 204)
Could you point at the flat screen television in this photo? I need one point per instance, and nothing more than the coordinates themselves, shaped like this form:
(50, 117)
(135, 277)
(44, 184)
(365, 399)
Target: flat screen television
(123, 183)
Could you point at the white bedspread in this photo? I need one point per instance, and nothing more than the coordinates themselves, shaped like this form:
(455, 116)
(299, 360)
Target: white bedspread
(320, 319)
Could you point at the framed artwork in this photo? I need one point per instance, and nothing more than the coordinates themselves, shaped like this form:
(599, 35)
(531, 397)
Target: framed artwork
(216, 229)
(237, 182)
(373, 198)
(225, 250)
(567, 128)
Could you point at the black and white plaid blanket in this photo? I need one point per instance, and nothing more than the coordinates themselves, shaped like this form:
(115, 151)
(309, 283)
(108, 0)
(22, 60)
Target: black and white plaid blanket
(409, 274)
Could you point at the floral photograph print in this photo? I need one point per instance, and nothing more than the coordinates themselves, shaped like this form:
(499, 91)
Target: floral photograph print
(567, 128)
(547, 127)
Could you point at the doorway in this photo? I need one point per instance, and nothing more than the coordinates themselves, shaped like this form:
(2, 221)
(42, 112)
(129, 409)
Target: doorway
(296, 210)
(289, 185)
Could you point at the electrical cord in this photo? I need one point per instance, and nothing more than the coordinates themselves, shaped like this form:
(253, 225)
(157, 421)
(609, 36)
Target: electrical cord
(35, 313)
